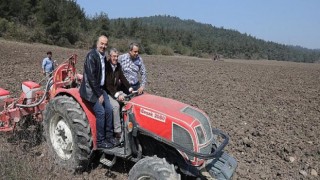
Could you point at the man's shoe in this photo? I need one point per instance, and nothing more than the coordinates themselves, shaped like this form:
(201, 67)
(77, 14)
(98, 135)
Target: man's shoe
(105, 145)
(114, 141)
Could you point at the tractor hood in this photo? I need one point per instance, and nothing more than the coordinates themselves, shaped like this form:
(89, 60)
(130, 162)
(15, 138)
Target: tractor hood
(182, 127)
(161, 108)
(170, 119)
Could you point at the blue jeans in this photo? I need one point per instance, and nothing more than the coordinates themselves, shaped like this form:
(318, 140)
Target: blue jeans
(104, 124)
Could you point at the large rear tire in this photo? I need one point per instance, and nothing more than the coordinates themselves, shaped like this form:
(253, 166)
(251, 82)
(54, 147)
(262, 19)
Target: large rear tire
(67, 133)
(153, 168)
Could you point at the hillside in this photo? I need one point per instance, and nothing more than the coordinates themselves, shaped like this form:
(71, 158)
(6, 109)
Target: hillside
(65, 24)
(205, 40)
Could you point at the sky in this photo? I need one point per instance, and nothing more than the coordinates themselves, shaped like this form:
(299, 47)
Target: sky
(290, 22)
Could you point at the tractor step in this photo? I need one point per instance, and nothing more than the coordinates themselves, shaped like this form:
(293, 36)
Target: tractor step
(116, 151)
(108, 162)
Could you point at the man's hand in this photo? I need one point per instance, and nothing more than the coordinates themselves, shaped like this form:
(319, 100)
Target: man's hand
(101, 99)
(140, 90)
(130, 90)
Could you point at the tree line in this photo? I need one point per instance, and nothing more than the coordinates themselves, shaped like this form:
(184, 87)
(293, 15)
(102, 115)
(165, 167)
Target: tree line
(64, 23)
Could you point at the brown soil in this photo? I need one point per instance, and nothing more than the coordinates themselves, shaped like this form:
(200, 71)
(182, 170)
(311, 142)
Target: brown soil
(270, 110)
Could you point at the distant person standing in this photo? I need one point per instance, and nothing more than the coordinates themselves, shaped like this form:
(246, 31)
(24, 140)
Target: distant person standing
(48, 65)
(133, 67)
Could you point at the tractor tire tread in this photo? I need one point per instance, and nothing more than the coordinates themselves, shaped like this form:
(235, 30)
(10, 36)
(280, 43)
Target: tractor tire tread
(71, 111)
(155, 168)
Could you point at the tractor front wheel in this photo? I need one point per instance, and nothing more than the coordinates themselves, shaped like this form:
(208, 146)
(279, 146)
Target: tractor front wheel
(153, 168)
(67, 133)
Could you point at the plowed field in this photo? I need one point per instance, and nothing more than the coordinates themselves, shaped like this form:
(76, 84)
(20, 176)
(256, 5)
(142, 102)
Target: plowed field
(270, 109)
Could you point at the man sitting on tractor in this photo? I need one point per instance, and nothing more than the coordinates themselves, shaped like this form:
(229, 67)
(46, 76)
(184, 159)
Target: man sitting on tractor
(114, 76)
(92, 89)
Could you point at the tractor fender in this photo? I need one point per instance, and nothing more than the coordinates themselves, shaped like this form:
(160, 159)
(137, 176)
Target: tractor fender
(74, 93)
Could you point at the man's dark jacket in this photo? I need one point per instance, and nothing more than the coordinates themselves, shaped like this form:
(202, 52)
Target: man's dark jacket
(90, 86)
(112, 83)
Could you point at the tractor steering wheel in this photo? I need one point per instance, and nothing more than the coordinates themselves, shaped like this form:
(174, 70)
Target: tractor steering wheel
(130, 96)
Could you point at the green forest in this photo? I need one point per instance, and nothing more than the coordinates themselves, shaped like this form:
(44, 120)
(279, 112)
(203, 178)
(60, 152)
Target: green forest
(64, 23)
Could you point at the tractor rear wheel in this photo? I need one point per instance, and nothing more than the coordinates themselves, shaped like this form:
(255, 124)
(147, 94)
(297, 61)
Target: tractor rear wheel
(67, 133)
(153, 168)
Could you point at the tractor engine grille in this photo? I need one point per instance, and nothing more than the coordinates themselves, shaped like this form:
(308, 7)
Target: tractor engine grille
(182, 137)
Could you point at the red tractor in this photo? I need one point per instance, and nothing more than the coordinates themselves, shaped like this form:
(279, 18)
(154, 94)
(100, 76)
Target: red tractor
(164, 137)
